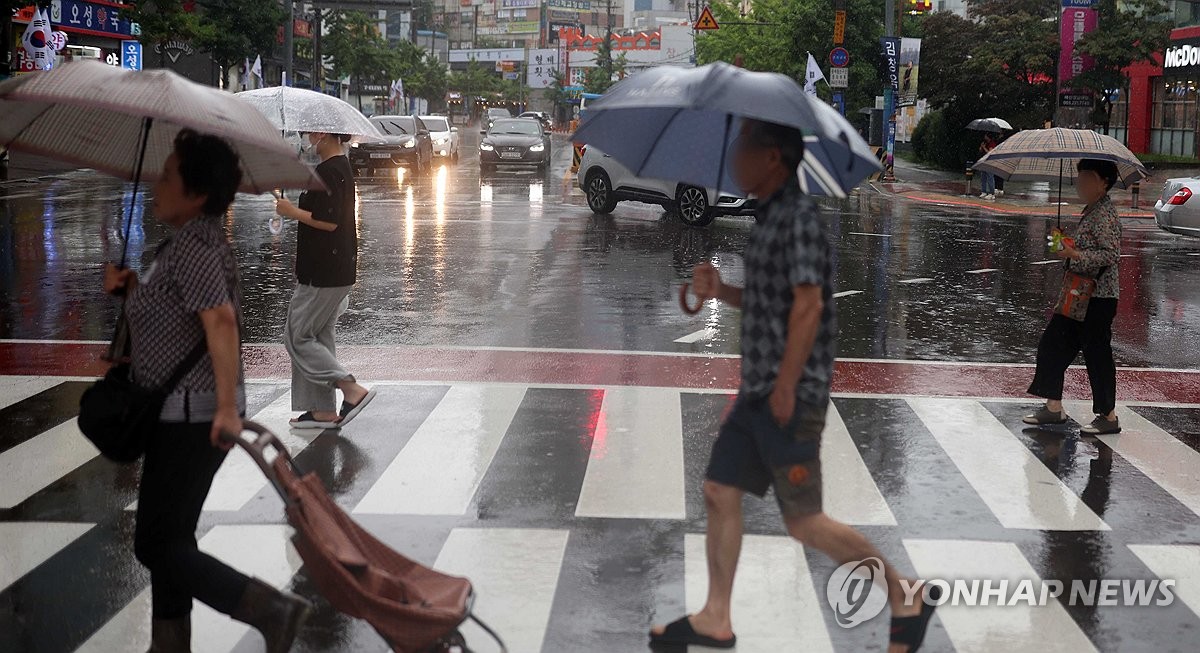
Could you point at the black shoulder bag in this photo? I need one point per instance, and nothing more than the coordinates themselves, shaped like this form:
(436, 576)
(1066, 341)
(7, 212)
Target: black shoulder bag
(119, 416)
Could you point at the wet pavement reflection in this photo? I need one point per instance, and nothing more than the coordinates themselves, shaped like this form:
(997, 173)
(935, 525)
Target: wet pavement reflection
(516, 259)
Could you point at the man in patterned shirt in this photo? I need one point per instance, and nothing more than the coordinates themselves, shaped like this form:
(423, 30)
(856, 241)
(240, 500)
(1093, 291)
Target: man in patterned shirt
(772, 436)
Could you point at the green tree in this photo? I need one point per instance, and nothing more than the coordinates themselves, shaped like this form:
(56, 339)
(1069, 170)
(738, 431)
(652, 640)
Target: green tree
(163, 21)
(236, 29)
(597, 80)
(1129, 32)
(358, 50)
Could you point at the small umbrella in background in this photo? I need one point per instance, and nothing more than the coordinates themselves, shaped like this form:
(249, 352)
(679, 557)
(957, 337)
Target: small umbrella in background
(301, 110)
(1044, 154)
(679, 124)
(994, 125)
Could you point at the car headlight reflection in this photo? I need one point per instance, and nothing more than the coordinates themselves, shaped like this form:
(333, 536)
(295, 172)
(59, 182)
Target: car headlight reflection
(538, 148)
(486, 147)
(410, 144)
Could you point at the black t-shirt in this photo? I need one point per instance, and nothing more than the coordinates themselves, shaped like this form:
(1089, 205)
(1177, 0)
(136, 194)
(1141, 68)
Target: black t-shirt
(328, 259)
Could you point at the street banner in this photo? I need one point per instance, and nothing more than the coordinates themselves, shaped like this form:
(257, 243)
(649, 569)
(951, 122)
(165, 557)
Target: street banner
(812, 75)
(540, 67)
(891, 62)
(910, 64)
(1076, 22)
(256, 69)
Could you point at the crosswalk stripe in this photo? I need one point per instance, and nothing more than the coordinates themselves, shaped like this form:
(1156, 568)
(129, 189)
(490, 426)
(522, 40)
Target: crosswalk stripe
(849, 493)
(515, 575)
(636, 466)
(239, 480)
(775, 605)
(17, 388)
(1014, 484)
(462, 434)
(262, 551)
(1171, 464)
(1018, 627)
(38, 462)
(1180, 563)
(28, 544)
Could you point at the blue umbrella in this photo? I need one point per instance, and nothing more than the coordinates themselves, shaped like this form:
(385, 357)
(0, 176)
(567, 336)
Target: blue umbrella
(679, 124)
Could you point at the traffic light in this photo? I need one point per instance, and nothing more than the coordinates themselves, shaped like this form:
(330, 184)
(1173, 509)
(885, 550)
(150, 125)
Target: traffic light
(920, 6)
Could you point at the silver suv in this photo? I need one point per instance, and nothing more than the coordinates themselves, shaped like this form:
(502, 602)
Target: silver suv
(605, 183)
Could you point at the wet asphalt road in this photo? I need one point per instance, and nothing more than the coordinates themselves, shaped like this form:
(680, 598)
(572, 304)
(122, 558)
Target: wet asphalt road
(518, 260)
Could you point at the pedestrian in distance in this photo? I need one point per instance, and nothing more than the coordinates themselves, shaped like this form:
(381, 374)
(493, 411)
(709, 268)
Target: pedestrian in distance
(1095, 255)
(189, 299)
(772, 435)
(987, 179)
(326, 270)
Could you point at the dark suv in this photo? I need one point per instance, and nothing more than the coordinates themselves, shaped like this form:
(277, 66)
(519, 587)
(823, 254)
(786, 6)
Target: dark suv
(405, 144)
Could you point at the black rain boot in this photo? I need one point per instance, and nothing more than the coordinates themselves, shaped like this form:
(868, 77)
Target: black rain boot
(171, 635)
(277, 615)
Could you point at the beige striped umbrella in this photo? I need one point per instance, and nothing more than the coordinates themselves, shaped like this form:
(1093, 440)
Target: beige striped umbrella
(94, 115)
(1046, 154)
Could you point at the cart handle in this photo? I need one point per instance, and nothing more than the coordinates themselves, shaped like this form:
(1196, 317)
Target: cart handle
(257, 447)
(683, 301)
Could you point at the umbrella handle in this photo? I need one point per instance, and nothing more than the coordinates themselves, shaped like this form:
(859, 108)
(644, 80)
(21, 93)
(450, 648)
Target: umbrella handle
(683, 301)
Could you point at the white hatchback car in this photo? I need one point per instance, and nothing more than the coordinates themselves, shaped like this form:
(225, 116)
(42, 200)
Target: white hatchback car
(605, 183)
(444, 137)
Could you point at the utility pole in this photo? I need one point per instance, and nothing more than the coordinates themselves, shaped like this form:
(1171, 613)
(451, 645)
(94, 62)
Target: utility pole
(289, 47)
(318, 71)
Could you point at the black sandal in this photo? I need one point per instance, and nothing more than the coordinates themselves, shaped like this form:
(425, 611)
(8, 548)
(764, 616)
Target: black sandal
(681, 633)
(307, 421)
(910, 631)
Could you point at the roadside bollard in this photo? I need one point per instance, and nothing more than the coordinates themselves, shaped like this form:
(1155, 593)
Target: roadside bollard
(1137, 192)
(969, 174)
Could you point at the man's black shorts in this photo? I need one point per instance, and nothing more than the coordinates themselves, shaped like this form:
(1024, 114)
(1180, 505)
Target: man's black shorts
(753, 452)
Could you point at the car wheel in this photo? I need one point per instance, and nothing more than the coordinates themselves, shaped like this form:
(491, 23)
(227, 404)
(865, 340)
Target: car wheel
(600, 196)
(692, 206)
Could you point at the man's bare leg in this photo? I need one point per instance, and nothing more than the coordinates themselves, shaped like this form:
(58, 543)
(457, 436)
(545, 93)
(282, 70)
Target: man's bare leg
(723, 545)
(844, 544)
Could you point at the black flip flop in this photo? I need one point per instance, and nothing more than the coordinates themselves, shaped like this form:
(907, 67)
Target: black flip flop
(307, 421)
(681, 633)
(350, 411)
(910, 631)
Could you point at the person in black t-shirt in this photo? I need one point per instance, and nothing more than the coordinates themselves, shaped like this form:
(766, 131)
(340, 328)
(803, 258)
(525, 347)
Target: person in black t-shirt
(326, 262)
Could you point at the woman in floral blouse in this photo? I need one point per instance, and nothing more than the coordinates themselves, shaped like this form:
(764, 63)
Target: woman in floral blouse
(1096, 253)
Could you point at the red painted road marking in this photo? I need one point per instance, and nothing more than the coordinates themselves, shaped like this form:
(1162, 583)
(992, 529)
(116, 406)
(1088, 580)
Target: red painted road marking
(617, 368)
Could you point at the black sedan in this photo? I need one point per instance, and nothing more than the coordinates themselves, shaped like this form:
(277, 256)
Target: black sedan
(514, 142)
(405, 144)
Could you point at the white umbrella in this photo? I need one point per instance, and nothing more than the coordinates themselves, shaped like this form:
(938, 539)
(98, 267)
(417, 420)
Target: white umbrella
(301, 110)
(124, 122)
(989, 125)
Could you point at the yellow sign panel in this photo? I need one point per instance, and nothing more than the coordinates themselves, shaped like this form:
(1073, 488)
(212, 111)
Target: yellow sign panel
(706, 20)
(839, 27)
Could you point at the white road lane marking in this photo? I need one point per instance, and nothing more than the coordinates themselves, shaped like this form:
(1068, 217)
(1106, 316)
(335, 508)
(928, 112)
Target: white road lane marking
(696, 336)
(846, 293)
(983, 270)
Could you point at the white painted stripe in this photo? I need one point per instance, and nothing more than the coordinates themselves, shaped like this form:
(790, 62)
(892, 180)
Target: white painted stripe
(861, 233)
(775, 605)
(1173, 465)
(19, 388)
(1180, 563)
(239, 480)
(696, 336)
(515, 575)
(39, 461)
(1019, 627)
(1050, 262)
(1128, 255)
(636, 467)
(262, 551)
(28, 544)
(850, 493)
(1020, 490)
(846, 293)
(983, 270)
(441, 467)
(917, 280)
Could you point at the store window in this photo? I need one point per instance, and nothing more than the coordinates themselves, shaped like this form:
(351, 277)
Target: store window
(1173, 126)
(1119, 118)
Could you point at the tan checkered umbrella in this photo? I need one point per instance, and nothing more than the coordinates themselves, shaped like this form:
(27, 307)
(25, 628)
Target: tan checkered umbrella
(95, 115)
